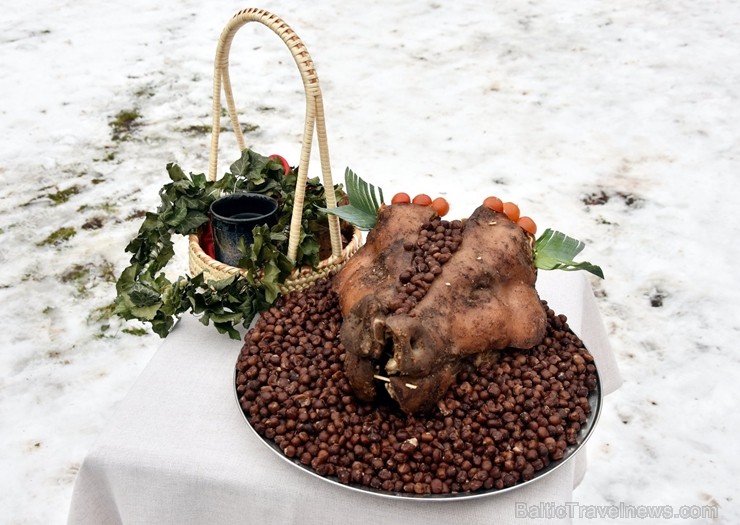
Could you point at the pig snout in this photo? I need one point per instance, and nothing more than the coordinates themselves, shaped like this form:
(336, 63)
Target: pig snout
(413, 349)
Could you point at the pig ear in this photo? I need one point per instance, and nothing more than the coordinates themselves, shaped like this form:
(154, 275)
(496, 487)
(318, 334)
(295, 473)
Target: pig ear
(528, 324)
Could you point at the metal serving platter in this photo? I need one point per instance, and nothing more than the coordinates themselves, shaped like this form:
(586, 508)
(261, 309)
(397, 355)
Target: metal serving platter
(595, 401)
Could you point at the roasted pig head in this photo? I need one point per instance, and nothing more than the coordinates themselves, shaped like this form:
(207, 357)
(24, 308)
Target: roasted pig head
(424, 297)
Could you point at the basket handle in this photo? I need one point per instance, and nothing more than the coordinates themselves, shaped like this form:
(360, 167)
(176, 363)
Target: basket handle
(314, 118)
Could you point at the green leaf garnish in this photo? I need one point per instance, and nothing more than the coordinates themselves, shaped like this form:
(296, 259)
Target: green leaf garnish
(554, 250)
(364, 202)
(142, 295)
(145, 293)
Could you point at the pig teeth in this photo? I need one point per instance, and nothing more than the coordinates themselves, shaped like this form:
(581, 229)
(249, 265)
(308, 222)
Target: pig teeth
(391, 366)
(390, 390)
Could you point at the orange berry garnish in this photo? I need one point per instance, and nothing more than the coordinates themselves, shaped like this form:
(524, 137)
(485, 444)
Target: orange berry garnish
(527, 225)
(401, 198)
(511, 210)
(422, 200)
(441, 206)
(494, 203)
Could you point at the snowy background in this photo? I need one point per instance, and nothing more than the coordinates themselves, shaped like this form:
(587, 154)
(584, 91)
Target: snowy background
(616, 123)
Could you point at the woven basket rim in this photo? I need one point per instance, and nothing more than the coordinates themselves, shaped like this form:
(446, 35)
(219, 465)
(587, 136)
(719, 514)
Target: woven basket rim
(209, 263)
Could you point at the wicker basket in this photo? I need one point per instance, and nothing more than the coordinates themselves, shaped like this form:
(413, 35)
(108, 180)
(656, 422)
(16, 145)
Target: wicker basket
(300, 278)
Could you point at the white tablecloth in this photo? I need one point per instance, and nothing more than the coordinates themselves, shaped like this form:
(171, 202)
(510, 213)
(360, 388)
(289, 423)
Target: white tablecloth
(177, 449)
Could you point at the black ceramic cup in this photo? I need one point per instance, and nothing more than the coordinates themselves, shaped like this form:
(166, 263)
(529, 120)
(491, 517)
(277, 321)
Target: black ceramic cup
(233, 217)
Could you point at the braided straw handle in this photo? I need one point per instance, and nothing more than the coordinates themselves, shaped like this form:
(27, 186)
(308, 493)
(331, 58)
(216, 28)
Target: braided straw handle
(314, 118)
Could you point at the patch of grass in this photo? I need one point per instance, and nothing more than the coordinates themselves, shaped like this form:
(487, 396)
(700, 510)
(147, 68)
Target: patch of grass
(97, 181)
(76, 272)
(124, 124)
(102, 318)
(136, 214)
(597, 198)
(76, 171)
(249, 128)
(144, 91)
(106, 207)
(601, 197)
(79, 276)
(197, 129)
(205, 129)
(58, 236)
(631, 200)
(58, 196)
(109, 157)
(63, 196)
(135, 331)
(84, 277)
(108, 272)
(102, 313)
(93, 224)
(102, 334)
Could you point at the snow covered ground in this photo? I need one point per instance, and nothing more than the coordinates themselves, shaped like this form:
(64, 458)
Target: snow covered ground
(613, 122)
